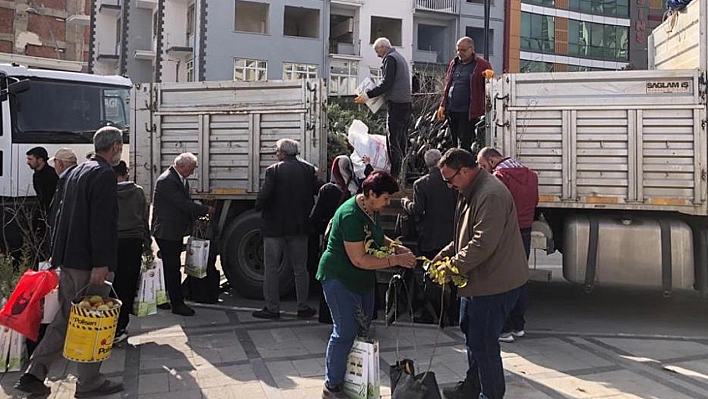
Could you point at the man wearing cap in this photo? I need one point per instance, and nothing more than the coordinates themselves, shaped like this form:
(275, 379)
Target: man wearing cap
(64, 161)
(45, 178)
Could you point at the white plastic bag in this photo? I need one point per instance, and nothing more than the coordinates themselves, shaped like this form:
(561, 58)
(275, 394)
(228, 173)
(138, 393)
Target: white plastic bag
(18, 351)
(362, 379)
(146, 300)
(365, 144)
(51, 306)
(375, 103)
(5, 335)
(160, 287)
(197, 257)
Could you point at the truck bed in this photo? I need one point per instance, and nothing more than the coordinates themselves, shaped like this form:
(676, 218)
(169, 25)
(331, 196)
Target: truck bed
(626, 140)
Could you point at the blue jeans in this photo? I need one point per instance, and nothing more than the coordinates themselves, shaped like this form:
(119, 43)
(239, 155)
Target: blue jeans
(481, 320)
(344, 306)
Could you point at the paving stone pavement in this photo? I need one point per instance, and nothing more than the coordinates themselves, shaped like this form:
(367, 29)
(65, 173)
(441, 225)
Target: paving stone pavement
(224, 353)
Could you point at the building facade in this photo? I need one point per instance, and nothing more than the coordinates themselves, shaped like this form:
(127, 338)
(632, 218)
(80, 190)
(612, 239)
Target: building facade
(579, 35)
(52, 34)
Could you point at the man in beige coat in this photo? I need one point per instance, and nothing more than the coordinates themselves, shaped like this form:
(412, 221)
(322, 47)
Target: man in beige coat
(488, 249)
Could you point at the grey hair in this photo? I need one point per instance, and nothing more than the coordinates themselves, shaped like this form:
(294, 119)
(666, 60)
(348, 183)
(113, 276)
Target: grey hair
(105, 137)
(432, 157)
(185, 158)
(382, 41)
(287, 146)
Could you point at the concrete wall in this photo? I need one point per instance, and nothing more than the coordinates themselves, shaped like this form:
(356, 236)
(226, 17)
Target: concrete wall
(139, 38)
(472, 15)
(223, 43)
(174, 67)
(399, 9)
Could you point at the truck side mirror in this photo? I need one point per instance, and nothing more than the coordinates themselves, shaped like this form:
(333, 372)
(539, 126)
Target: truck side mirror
(13, 88)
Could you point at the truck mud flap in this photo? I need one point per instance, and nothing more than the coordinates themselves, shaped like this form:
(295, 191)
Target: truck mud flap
(592, 255)
(666, 282)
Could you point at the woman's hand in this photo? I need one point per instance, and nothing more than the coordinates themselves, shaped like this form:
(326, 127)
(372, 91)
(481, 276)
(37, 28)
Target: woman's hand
(404, 259)
(402, 249)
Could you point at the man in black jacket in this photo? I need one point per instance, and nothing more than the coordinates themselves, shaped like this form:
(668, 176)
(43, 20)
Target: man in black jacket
(173, 215)
(44, 179)
(85, 247)
(286, 199)
(395, 86)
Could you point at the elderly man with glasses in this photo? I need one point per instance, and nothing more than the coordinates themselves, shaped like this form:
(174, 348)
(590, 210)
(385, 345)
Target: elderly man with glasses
(487, 248)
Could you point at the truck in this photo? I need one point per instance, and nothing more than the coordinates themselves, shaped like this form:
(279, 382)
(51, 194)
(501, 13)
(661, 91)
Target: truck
(621, 158)
(232, 128)
(52, 109)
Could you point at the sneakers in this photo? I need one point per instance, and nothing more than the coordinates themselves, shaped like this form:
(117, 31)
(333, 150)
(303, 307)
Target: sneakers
(335, 393)
(31, 384)
(509, 336)
(266, 314)
(121, 336)
(306, 313)
(506, 337)
(107, 388)
(463, 390)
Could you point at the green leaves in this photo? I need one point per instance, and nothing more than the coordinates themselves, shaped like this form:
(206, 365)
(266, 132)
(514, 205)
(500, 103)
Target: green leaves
(439, 276)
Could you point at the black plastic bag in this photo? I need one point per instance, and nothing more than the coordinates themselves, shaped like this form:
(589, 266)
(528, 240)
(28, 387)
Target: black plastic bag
(405, 384)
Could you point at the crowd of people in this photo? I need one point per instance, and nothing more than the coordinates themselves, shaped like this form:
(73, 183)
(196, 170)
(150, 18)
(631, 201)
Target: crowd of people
(476, 211)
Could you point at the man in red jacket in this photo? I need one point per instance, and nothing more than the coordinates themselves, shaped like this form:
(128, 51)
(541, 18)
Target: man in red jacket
(522, 182)
(462, 101)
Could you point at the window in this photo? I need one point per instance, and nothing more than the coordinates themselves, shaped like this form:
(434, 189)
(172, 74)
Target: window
(251, 17)
(389, 28)
(536, 66)
(190, 70)
(598, 41)
(119, 36)
(293, 71)
(343, 77)
(376, 75)
(301, 22)
(250, 70)
(547, 3)
(537, 33)
(190, 20)
(155, 21)
(616, 8)
(477, 34)
(341, 34)
(580, 68)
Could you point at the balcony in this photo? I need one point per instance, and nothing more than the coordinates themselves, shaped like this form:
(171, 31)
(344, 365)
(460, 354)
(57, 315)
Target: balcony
(426, 56)
(147, 4)
(442, 6)
(112, 9)
(349, 2)
(145, 55)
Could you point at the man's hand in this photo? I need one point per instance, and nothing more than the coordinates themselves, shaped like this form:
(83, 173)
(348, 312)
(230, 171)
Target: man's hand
(405, 201)
(318, 174)
(441, 113)
(443, 269)
(404, 259)
(366, 159)
(99, 275)
(361, 98)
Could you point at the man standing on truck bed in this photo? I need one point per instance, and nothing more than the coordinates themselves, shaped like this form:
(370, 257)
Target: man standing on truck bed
(173, 214)
(395, 86)
(463, 99)
(85, 248)
(522, 183)
(285, 200)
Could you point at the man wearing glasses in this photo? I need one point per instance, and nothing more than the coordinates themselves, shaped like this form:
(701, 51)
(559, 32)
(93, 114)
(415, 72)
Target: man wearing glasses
(488, 249)
(462, 101)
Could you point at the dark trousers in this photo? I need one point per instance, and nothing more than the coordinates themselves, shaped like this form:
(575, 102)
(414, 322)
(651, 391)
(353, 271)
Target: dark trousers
(462, 129)
(397, 137)
(516, 320)
(127, 275)
(171, 262)
(481, 320)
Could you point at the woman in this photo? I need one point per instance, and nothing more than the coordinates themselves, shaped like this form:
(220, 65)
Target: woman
(133, 239)
(347, 272)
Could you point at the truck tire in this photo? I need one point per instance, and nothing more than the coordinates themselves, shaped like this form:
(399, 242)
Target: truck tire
(242, 256)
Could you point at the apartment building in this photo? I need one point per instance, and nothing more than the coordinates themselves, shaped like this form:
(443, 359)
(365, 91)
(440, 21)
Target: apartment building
(472, 25)
(579, 35)
(51, 34)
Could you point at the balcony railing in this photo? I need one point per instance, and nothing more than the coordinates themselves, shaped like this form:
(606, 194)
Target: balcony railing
(445, 6)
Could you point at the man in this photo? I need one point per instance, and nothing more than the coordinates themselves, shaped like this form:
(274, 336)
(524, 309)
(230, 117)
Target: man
(285, 200)
(463, 98)
(487, 249)
(522, 183)
(173, 215)
(395, 86)
(64, 161)
(85, 248)
(433, 207)
(45, 178)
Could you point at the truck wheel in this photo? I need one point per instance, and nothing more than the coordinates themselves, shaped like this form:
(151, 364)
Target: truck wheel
(242, 255)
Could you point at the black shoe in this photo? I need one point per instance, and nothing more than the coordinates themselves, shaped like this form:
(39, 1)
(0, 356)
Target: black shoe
(107, 388)
(31, 384)
(266, 314)
(165, 306)
(306, 313)
(463, 390)
(183, 310)
(337, 393)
